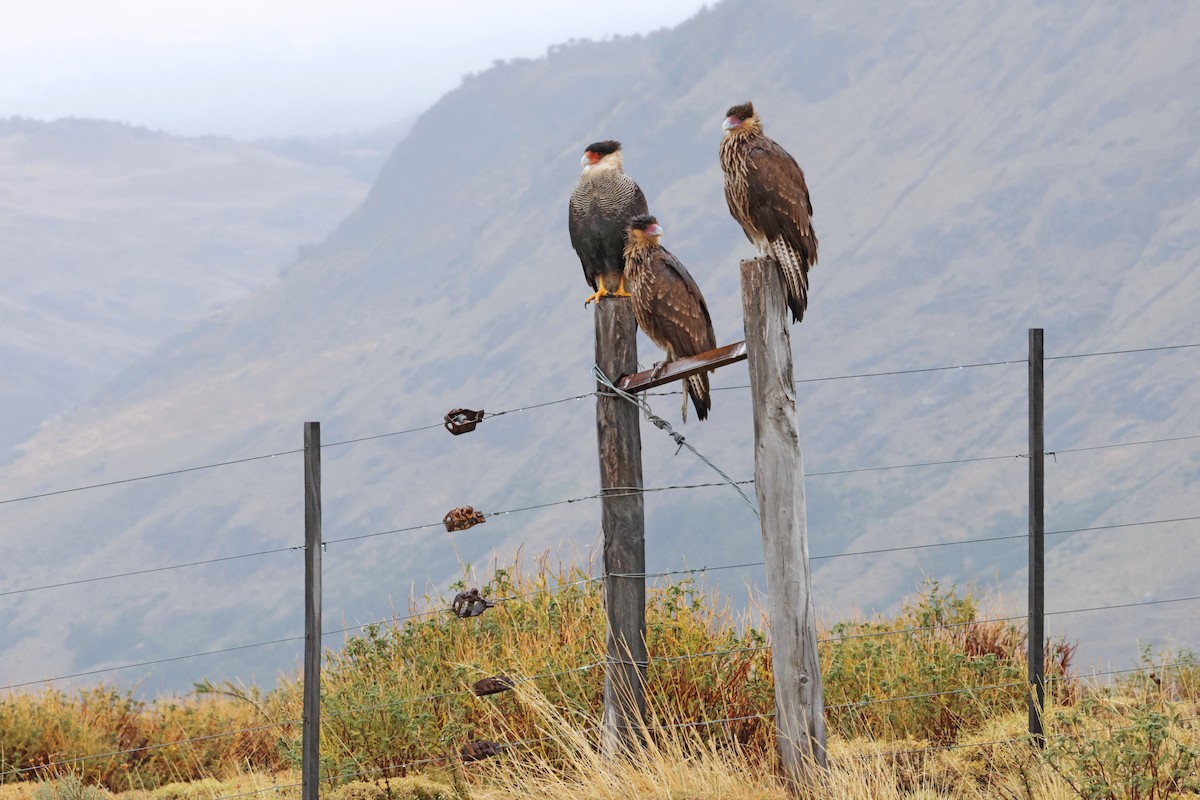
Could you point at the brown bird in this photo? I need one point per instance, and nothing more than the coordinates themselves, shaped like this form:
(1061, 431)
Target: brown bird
(766, 193)
(600, 207)
(668, 305)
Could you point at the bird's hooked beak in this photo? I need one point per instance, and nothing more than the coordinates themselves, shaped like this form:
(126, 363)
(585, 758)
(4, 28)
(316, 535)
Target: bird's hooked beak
(731, 123)
(654, 229)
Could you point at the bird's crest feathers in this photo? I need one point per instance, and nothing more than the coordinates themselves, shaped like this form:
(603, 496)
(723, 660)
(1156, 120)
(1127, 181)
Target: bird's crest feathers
(604, 148)
(743, 111)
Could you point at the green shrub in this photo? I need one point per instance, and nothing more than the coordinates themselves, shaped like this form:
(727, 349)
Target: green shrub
(1117, 748)
(956, 668)
(70, 787)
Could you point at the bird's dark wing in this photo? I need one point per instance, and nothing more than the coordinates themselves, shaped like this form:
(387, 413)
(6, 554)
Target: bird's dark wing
(597, 226)
(677, 316)
(672, 312)
(777, 199)
(586, 237)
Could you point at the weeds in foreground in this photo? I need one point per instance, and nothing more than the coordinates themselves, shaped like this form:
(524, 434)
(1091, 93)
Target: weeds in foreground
(928, 703)
(1137, 740)
(954, 667)
(108, 738)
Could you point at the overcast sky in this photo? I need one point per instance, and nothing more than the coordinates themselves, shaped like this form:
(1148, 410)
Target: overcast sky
(253, 68)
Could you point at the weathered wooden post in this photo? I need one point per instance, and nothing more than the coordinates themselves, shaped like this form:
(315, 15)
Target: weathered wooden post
(310, 745)
(1037, 530)
(779, 483)
(619, 436)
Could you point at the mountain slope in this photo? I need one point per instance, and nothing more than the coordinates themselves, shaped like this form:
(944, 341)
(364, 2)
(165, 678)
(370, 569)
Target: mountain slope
(975, 173)
(114, 238)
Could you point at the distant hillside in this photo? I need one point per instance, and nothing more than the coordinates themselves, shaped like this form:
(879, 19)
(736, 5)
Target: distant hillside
(359, 154)
(976, 171)
(113, 238)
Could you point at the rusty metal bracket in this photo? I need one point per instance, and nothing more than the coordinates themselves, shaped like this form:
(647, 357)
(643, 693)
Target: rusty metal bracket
(478, 751)
(500, 683)
(463, 420)
(459, 519)
(471, 604)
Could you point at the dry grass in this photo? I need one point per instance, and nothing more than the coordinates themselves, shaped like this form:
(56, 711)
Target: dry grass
(37, 730)
(705, 765)
(958, 731)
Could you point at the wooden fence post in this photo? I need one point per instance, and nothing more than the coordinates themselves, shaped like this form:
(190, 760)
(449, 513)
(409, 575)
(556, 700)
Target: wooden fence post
(1037, 530)
(779, 483)
(310, 746)
(619, 438)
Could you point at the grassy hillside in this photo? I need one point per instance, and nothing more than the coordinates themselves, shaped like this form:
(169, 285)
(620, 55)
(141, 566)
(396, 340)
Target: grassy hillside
(975, 172)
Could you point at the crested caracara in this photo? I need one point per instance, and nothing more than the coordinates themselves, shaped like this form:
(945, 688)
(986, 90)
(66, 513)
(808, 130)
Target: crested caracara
(668, 304)
(766, 193)
(601, 206)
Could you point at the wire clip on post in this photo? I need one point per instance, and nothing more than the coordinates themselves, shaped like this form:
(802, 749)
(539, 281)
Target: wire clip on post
(459, 519)
(500, 683)
(463, 420)
(471, 604)
(478, 751)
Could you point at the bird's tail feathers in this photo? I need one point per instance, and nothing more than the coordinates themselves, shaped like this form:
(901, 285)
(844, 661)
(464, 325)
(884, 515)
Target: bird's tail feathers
(794, 267)
(698, 390)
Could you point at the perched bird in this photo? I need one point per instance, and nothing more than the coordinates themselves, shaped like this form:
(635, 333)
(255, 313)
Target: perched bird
(600, 207)
(668, 304)
(766, 193)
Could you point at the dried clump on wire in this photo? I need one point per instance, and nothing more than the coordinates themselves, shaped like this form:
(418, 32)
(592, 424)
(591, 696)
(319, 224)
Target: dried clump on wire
(459, 519)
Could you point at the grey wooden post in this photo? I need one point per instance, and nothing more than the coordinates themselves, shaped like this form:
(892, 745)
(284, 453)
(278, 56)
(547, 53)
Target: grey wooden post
(779, 483)
(619, 439)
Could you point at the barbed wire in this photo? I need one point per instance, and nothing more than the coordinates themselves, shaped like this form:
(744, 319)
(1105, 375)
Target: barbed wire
(659, 422)
(960, 745)
(146, 748)
(583, 396)
(1121, 352)
(952, 625)
(624, 491)
(149, 570)
(757, 649)
(164, 474)
(664, 573)
(449, 610)
(532, 406)
(881, 374)
(901, 548)
(434, 612)
(1116, 606)
(153, 662)
(265, 456)
(1121, 444)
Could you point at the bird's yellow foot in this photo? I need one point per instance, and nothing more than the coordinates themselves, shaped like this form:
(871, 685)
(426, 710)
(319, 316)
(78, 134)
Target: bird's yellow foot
(620, 292)
(600, 291)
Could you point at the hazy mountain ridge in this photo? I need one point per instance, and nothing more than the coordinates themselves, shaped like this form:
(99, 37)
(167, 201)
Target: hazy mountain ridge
(359, 154)
(974, 173)
(114, 237)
